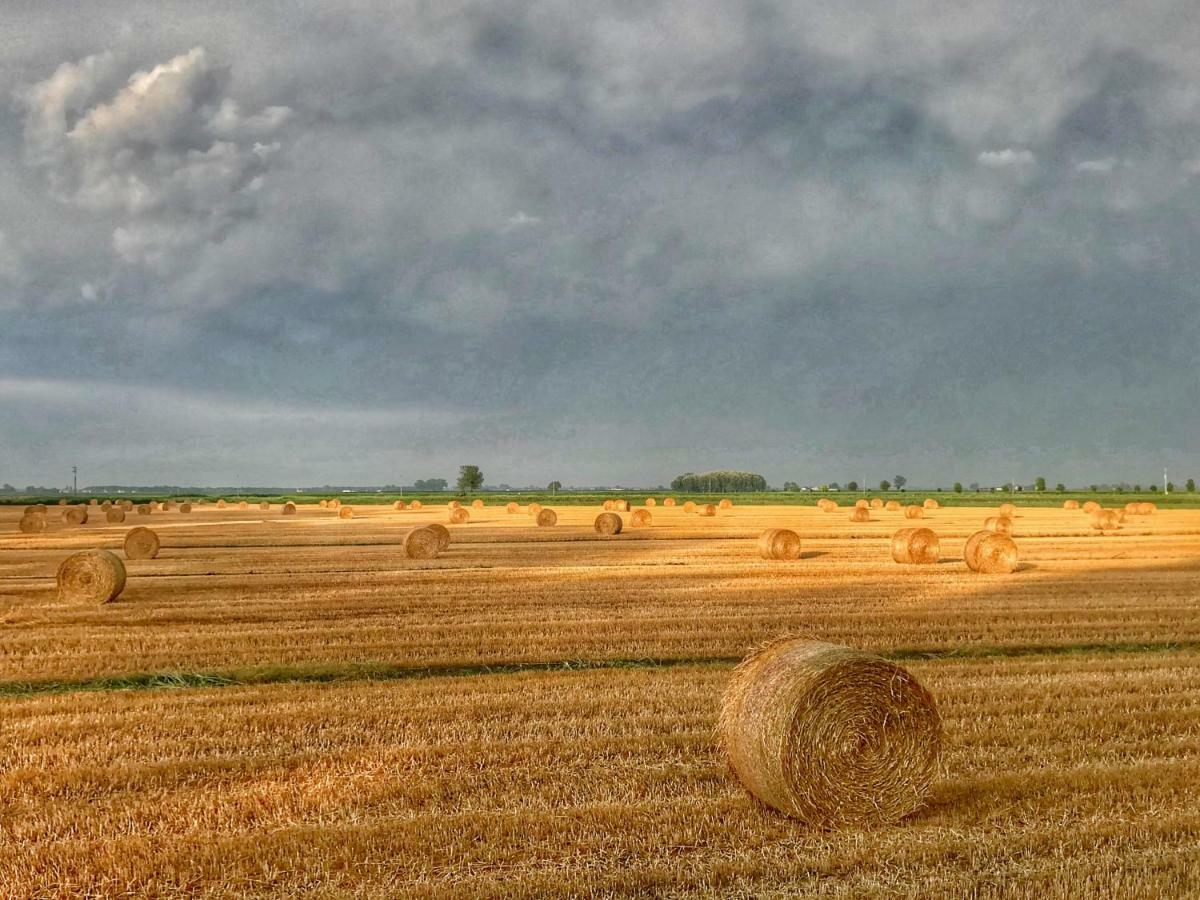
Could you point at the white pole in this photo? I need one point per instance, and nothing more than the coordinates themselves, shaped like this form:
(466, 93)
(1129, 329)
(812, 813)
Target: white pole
(1165, 481)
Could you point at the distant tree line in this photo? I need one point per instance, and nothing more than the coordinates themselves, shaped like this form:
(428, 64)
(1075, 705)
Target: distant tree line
(719, 482)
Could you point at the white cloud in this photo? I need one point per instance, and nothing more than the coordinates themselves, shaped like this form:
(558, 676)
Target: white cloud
(1097, 166)
(1006, 158)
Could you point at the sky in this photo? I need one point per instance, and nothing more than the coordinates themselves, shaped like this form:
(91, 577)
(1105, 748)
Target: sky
(599, 242)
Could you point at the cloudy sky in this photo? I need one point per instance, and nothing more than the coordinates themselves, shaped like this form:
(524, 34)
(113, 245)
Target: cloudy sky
(364, 242)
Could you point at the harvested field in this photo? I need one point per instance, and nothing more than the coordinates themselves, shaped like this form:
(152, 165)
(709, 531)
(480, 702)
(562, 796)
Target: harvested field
(346, 717)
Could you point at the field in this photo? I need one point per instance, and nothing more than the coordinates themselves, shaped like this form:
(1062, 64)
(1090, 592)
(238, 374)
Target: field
(289, 706)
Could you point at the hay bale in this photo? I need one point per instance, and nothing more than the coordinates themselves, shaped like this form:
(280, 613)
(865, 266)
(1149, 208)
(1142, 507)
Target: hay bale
(1146, 509)
(830, 505)
(608, 523)
(511, 508)
(453, 504)
(1105, 520)
(143, 509)
(416, 504)
(689, 506)
(546, 517)
(185, 507)
(862, 503)
(106, 506)
(62, 501)
(930, 503)
(876, 503)
(346, 512)
(443, 534)
(726, 504)
(90, 576)
(289, 509)
(221, 504)
(651, 502)
(607, 505)
(669, 501)
(141, 543)
(971, 546)
(830, 735)
(1070, 504)
(477, 504)
(335, 503)
(993, 554)
(264, 505)
(75, 515)
(93, 502)
(915, 546)
(620, 506)
(706, 509)
(127, 505)
(534, 508)
(32, 523)
(914, 512)
(167, 505)
(1090, 506)
(892, 505)
(860, 514)
(422, 542)
(323, 504)
(115, 516)
(459, 516)
(242, 504)
(399, 505)
(998, 524)
(1008, 510)
(640, 518)
(779, 543)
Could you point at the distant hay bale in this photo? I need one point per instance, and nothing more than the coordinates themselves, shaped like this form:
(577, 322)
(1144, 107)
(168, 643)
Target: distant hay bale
(862, 503)
(1105, 520)
(221, 504)
(264, 505)
(689, 506)
(93, 502)
(115, 516)
(62, 501)
(876, 503)
(1070, 504)
(860, 514)
(335, 503)
(32, 523)
(608, 523)
(829, 735)
(829, 505)
(453, 504)
(779, 543)
(1008, 510)
(168, 505)
(1090, 506)
(620, 506)
(185, 507)
(143, 509)
(512, 507)
(75, 515)
(346, 512)
(459, 516)
(706, 509)
(1146, 509)
(1132, 508)
(416, 504)
(127, 505)
(242, 504)
(669, 501)
(443, 534)
(998, 524)
(726, 504)
(607, 505)
(141, 543)
(650, 501)
(640, 518)
(398, 506)
(422, 542)
(323, 504)
(477, 504)
(914, 512)
(916, 546)
(289, 509)
(892, 505)
(106, 506)
(546, 517)
(992, 554)
(534, 508)
(91, 576)
(930, 503)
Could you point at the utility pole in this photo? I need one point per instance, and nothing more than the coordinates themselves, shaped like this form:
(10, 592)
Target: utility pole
(75, 478)
(1165, 481)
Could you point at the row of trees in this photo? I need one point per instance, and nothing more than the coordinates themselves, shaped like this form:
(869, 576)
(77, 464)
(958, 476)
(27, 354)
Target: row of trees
(719, 482)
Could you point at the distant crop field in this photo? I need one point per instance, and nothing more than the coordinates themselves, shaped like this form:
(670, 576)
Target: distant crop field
(291, 705)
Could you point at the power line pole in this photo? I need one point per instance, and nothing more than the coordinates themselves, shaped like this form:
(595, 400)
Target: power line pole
(75, 478)
(1165, 491)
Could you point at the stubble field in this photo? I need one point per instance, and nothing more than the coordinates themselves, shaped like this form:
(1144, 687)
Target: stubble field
(290, 706)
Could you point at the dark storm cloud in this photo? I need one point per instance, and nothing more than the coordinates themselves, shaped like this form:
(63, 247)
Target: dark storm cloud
(365, 242)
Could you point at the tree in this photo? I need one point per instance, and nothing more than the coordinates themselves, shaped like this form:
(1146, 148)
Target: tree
(718, 482)
(899, 481)
(1191, 485)
(835, 486)
(1039, 483)
(430, 484)
(852, 486)
(1137, 488)
(958, 487)
(470, 478)
(1061, 488)
(791, 486)
(974, 486)
(1154, 488)
(8, 489)
(1170, 487)
(554, 487)
(1093, 488)
(885, 485)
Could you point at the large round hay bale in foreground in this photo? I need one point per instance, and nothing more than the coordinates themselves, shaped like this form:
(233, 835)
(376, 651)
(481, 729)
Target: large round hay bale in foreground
(346, 512)
(726, 504)
(650, 501)
(143, 509)
(706, 509)
(416, 504)
(75, 515)
(1090, 506)
(892, 505)
(689, 506)
(917, 546)
(998, 524)
(443, 534)
(477, 504)
(185, 507)
(994, 554)
(930, 503)
(423, 542)
(914, 512)
(115, 516)
(608, 523)
(141, 543)
(398, 505)
(971, 546)
(830, 735)
(669, 501)
(512, 507)
(289, 508)
(32, 523)
(1070, 504)
(779, 543)
(91, 576)
(640, 518)
(546, 517)
(860, 514)
(459, 516)
(1105, 519)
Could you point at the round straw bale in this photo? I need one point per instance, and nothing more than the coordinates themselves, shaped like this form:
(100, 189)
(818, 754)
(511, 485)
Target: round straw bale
(106, 506)
(650, 501)
(608, 523)
(669, 501)
(860, 514)
(546, 517)
(141, 543)
(93, 502)
(919, 546)
(1105, 519)
(706, 509)
(998, 524)
(862, 503)
(1008, 510)
(323, 503)
(185, 507)
(168, 505)
(876, 503)
(422, 542)
(264, 505)
(459, 516)
(689, 506)
(242, 504)
(726, 503)
(346, 512)
(607, 505)
(930, 503)
(453, 504)
(620, 506)
(995, 554)
(75, 515)
(32, 523)
(416, 504)
(335, 503)
(971, 546)
(62, 501)
(127, 505)
(91, 576)
(40, 507)
(534, 508)
(115, 516)
(289, 509)
(398, 505)
(1070, 504)
(639, 518)
(1090, 506)
(779, 543)
(221, 504)
(443, 534)
(477, 503)
(143, 509)
(831, 506)
(892, 505)
(830, 735)
(1146, 509)
(512, 507)
(913, 512)
(1120, 514)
